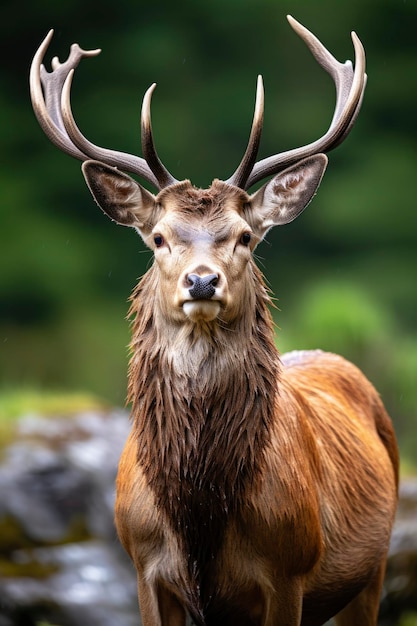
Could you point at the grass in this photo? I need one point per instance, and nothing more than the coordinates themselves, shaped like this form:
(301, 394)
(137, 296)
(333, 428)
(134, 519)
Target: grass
(15, 403)
(408, 619)
(408, 468)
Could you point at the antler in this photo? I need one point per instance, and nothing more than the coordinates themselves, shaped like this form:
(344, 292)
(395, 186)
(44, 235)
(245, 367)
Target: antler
(50, 93)
(350, 87)
(242, 173)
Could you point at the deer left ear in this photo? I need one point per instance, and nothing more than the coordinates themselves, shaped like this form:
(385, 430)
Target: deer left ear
(286, 195)
(120, 197)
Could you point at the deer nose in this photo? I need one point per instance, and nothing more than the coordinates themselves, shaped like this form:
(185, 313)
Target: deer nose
(202, 287)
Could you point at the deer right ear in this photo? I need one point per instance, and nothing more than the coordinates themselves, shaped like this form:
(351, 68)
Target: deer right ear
(285, 196)
(120, 197)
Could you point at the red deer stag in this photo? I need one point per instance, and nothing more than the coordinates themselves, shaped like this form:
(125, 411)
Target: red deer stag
(253, 489)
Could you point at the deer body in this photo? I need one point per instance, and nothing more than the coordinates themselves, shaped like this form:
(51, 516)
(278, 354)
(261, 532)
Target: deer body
(253, 490)
(236, 490)
(273, 548)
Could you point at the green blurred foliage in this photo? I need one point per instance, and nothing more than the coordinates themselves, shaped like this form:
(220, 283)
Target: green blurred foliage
(409, 619)
(344, 272)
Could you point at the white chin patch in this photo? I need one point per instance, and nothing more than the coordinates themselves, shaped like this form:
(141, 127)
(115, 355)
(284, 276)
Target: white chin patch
(201, 310)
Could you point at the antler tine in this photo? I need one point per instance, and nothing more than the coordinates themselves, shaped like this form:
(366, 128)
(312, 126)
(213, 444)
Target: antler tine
(122, 160)
(350, 86)
(242, 173)
(360, 55)
(148, 147)
(45, 91)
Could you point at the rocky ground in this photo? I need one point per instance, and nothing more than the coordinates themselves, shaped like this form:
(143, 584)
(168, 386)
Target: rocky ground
(60, 561)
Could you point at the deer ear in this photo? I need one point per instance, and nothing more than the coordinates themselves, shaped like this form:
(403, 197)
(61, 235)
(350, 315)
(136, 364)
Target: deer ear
(286, 195)
(120, 197)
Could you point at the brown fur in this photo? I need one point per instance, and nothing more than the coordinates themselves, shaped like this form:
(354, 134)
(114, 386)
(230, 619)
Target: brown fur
(227, 416)
(248, 484)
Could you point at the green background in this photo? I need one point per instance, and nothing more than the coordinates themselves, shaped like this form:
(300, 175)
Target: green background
(344, 273)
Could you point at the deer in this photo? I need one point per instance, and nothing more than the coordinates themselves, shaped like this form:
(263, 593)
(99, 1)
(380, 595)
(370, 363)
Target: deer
(254, 488)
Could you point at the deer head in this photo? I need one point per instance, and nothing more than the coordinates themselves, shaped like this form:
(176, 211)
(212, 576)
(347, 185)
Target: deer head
(202, 239)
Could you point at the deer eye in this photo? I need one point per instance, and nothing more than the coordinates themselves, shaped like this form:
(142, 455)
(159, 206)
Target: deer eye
(245, 239)
(158, 240)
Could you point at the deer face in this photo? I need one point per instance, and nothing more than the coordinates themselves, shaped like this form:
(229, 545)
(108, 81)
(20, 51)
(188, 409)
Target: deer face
(202, 247)
(203, 239)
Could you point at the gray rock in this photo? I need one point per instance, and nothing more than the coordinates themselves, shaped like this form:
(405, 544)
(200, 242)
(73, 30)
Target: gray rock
(60, 560)
(87, 579)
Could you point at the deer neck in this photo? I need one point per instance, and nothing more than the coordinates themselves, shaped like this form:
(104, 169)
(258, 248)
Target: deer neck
(211, 368)
(201, 402)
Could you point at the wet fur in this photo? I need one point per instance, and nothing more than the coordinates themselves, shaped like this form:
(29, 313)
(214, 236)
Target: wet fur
(202, 391)
(246, 463)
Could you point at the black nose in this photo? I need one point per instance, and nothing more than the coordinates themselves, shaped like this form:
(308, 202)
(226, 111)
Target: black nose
(202, 287)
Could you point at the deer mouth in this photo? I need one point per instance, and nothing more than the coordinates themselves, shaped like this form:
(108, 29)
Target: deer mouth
(201, 310)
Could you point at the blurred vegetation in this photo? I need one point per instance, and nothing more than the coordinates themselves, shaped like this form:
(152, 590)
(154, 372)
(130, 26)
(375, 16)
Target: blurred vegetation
(343, 273)
(410, 619)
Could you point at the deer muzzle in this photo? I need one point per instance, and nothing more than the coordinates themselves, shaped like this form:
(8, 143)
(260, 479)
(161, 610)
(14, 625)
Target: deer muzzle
(201, 293)
(202, 287)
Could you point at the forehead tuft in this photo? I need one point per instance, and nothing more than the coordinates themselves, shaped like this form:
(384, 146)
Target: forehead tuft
(189, 200)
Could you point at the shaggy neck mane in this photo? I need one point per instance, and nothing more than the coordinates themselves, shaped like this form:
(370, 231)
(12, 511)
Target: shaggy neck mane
(201, 398)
